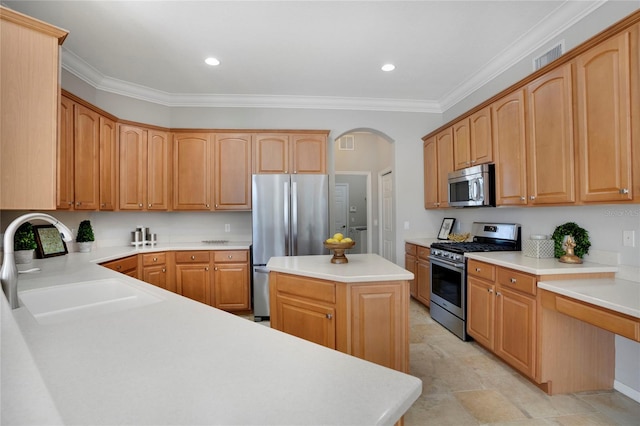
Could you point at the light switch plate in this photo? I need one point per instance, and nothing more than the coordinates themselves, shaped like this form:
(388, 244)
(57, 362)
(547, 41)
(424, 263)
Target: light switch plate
(629, 238)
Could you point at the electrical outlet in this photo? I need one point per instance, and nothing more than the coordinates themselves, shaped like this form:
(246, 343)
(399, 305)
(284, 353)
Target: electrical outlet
(406, 224)
(227, 227)
(629, 238)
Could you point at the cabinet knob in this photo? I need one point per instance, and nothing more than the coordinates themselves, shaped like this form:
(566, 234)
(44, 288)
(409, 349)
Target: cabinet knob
(230, 256)
(155, 259)
(102, 205)
(215, 269)
(193, 257)
(532, 197)
(522, 198)
(206, 205)
(164, 269)
(206, 268)
(78, 203)
(624, 191)
(70, 203)
(498, 294)
(119, 267)
(478, 269)
(489, 290)
(216, 206)
(329, 316)
(473, 161)
(150, 205)
(513, 280)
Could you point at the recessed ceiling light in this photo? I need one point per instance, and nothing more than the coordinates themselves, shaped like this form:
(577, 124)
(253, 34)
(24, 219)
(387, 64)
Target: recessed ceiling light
(212, 61)
(388, 67)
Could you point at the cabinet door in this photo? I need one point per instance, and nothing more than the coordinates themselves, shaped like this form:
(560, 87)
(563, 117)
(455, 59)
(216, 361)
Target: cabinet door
(231, 287)
(481, 311)
(127, 265)
(509, 136)
(271, 153)
(309, 153)
(194, 281)
(307, 320)
(604, 121)
(430, 153)
(158, 170)
(156, 275)
(445, 165)
(64, 192)
(232, 171)
(86, 158)
(108, 164)
(516, 330)
(480, 137)
(461, 144)
(410, 264)
(191, 171)
(380, 324)
(424, 282)
(133, 170)
(550, 153)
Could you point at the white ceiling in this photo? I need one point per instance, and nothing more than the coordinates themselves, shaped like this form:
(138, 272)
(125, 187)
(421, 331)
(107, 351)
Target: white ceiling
(324, 54)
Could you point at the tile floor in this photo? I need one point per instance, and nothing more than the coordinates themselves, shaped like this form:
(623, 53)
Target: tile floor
(463, 384)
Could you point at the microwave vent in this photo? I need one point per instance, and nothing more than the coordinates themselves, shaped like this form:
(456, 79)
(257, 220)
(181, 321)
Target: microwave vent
(549, 56)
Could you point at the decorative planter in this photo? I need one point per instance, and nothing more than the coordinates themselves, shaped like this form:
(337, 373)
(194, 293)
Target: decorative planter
(23, 256)
(85, 247)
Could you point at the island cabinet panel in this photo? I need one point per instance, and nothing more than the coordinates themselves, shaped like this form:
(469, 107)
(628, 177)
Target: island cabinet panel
(379, 331)
(550, 149)
(509, 144)
(368, 320)
(30, 57)
(603, 97)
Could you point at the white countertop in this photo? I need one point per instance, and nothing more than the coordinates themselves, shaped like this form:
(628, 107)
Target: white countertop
(612, 293)
(179, 362)
(360, 268)
(531, 265)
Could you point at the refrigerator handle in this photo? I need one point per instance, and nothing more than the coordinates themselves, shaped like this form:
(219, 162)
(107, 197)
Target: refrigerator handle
(287, 213)
(294, 218)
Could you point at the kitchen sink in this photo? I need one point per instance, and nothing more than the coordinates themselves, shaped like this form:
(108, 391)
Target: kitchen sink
(83, 300)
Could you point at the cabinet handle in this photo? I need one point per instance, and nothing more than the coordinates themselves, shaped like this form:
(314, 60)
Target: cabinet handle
(624, 191)
(193, 258)
(329, 316)
(513, 280)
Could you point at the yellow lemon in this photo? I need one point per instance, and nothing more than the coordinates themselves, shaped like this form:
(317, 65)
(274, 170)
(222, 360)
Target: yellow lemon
(346, 240)
(331, 240)
(338, 236)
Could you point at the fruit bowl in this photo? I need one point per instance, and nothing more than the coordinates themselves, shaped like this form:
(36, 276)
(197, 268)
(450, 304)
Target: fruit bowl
(338, 250)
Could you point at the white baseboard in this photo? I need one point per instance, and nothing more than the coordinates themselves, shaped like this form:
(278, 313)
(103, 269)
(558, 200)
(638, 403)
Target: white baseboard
(626, 390)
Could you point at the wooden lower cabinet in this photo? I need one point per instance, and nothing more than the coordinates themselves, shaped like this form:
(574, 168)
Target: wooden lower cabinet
(193, 275)
(411, 265)
(367, 320)
(417, 262)
(127, 265)
(231, 284)
(158, 269)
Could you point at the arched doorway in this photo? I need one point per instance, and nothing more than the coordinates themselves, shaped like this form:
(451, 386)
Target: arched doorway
(361, 157)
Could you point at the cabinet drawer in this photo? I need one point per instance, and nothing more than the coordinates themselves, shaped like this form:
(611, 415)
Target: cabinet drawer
(154, 259)
(517, 281)
(481, 270)
(122, 265)
(220, 256)
(306, 287)
(424, 252)
(192, 256)
(410, 249)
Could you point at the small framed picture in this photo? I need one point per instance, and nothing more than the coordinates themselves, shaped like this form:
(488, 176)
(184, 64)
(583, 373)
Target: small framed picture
(446, 228)
(49, 241)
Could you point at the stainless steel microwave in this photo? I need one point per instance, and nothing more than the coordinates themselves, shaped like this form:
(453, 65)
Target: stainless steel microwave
(473, 187)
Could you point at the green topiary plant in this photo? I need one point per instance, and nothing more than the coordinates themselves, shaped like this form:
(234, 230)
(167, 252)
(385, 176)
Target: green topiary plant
(24, 238)
(85, 232)
(580, 237)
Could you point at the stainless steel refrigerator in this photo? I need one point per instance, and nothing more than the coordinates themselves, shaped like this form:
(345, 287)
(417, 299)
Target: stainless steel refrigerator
(290, 215)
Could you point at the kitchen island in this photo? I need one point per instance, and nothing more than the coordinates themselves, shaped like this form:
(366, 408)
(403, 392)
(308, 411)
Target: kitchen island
(177, 361)
(360, 308)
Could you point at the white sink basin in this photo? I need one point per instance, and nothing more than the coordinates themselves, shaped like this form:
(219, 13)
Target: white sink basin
(84, 299)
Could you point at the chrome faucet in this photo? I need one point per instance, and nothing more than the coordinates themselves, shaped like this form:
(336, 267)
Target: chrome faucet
(9, 271)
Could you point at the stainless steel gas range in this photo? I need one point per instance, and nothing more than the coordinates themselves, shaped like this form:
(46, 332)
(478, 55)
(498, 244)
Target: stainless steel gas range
(449, 271)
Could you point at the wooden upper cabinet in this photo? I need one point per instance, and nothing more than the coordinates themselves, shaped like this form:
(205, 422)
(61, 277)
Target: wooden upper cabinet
(64, 192)
(430, 153)
(444, 141)
(158, 182)
(480, 132)
(509, 144)
(133, 167)
(191, 171)
(86, 158)
(603, 95)
(309, 153)
(232, 171)
(108, 164)
(550, 150)
(461, 144)
(283, 153)
(29, 53)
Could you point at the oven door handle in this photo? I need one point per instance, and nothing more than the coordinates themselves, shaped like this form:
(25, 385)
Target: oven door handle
(446, 264)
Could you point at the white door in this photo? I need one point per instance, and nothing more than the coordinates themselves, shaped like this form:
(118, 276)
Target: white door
(386, 216)
(342, 207)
